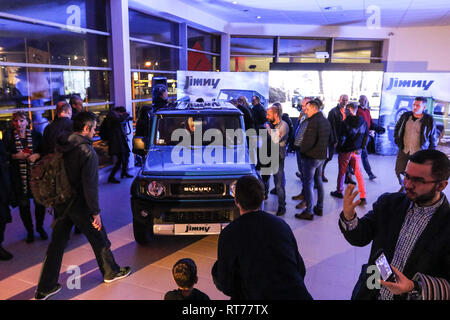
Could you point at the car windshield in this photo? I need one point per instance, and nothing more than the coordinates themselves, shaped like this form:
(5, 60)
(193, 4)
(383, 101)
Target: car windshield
(234, 94)
(195, 130)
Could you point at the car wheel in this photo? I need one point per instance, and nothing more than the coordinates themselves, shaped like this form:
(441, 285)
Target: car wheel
(143, 233)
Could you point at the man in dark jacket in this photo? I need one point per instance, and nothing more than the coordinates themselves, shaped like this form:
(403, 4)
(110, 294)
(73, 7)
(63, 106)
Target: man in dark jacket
(353, 138)
(245, 109)
(5, 195)
(81, 163)
(118, 147)
(257, 256)
(77, 104)
(313, 152)
(60, 128)
(412, 229)
(414, 131)
(259, 113)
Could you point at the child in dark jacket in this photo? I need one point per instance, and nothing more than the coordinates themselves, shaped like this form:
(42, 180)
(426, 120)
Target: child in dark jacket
(185, 275)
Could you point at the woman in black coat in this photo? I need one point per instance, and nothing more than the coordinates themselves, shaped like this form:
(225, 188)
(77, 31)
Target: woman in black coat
(5, 195)
(24, 148)
(118, 147)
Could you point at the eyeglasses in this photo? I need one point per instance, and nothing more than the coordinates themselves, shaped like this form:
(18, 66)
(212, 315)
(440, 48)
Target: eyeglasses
(417, 180)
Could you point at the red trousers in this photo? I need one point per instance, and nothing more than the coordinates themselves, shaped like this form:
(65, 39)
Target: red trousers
(355, 161)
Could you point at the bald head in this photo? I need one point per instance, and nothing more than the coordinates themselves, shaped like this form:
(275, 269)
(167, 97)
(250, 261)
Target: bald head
(63, 110)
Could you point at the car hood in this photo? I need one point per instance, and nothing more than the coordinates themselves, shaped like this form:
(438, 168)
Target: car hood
(197, 161)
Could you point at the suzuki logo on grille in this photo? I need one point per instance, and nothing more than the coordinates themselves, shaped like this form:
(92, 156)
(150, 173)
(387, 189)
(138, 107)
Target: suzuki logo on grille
(197, 189)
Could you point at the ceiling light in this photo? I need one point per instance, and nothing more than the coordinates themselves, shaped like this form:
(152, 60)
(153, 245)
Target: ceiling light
(234, 2)
(258, 17)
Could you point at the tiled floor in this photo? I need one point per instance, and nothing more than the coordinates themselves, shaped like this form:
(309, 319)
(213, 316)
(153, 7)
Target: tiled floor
(332, 264)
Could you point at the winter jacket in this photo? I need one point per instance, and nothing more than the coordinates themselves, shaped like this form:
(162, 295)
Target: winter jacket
(428, 132)
(354, 134)
(81, 163)
(60, 128)
(259, 116)
(117, 140)
(316, 137)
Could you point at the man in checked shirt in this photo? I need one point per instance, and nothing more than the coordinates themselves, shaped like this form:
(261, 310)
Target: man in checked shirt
(413, 229)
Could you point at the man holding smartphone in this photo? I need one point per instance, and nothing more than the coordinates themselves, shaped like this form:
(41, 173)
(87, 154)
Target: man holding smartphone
(413, 229)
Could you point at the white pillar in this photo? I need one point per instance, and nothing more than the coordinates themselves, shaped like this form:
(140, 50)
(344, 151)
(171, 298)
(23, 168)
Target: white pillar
(183, 36)
(120, 39)
(225, 52)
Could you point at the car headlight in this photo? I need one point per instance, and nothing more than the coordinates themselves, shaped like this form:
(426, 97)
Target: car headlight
(233, 188)
(155, 189)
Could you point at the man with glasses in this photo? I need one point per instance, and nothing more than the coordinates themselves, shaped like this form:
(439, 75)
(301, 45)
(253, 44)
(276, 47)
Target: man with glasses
(414, 131)
(412, 229)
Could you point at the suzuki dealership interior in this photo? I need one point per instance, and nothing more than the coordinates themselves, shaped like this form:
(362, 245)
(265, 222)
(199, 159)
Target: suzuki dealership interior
(112, 53)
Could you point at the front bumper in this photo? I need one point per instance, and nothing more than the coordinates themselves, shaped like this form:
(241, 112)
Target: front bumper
(176, 217)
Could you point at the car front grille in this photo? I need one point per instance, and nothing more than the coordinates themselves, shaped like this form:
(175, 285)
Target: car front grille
(197, 189)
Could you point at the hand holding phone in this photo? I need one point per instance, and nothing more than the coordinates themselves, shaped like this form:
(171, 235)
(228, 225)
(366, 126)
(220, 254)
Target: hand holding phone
(384, 268)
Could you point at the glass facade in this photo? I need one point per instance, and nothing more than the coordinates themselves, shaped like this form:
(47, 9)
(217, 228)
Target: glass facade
(51, 51)
(357, 51)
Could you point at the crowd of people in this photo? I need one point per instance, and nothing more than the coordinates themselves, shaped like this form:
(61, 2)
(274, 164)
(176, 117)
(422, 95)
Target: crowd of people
(258, 257)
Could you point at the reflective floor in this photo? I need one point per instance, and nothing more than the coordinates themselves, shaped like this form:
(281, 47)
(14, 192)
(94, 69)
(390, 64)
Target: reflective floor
(332, 264)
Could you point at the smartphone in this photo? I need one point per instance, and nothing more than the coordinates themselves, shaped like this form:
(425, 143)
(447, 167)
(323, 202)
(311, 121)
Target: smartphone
(384, 268)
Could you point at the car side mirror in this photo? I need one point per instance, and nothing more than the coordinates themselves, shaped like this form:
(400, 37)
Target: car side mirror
(139, 146)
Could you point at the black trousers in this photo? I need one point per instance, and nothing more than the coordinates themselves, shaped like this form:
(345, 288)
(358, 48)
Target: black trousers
(60, 236)
(120, 161)
(25, 215)
(2, 231)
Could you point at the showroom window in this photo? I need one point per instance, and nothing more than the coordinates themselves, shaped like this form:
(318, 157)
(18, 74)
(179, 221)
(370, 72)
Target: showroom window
(154, 52)
(203, 51)
(357, 51)
(49, 52)
(251, 54)
(301, 50)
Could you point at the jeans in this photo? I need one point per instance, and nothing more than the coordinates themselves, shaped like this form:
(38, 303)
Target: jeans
(60, 236)
(365, 162)
(312, 176)
(279, 180)
(354, 159)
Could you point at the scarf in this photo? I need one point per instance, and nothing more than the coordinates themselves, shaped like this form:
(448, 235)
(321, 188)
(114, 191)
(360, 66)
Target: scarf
(23, 164)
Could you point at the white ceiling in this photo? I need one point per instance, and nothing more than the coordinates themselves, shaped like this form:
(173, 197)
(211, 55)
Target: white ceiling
(393, 13)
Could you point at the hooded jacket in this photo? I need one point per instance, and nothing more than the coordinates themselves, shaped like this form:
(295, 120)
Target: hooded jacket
(354, 134)
(81, 163)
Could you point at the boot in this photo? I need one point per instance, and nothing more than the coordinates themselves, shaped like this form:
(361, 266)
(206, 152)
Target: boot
(5, 255)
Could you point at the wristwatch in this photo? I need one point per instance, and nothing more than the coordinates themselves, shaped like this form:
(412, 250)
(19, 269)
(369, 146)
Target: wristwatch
(416, 292)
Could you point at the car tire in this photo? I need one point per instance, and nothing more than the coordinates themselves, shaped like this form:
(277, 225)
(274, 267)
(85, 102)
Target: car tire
(143, 233)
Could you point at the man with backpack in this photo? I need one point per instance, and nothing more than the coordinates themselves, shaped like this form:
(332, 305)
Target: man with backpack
(82, 210)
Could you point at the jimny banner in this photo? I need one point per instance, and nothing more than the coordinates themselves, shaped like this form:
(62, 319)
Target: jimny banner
(398, 94)
(222, 85)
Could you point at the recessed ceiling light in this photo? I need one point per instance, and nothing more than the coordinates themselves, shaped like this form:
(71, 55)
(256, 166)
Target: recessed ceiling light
(258, 17)
(234, 2)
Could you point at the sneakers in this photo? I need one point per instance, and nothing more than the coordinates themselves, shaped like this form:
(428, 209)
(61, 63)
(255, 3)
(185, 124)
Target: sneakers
(372, 177)
(363, 201)
(5, 255)
(301, 205)
(42, 233)
(123, 272)
(30, 237)
(45, 295)
(126, 175)
(349, 181)
(324, 179)
(281, 211)
(298, 197)
(113, 180)
(337, 194)
(298, 174)
(318, 212)
(304, 215)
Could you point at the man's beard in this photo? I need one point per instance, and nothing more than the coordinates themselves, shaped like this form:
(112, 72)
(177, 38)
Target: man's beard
(424, 198)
